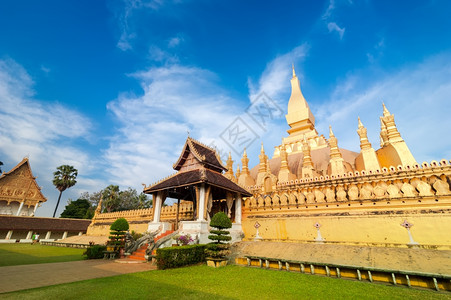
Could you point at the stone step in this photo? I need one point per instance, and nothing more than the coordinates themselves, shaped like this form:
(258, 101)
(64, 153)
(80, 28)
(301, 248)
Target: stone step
(134, 257)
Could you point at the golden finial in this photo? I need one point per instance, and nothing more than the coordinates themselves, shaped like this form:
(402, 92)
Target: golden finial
(360, 123)
(292, 66)
(262, 150)
(386, 112)
(331, 133)
(244, 152)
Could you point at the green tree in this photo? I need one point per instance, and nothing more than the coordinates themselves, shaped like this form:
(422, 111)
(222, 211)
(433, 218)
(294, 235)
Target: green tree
(64, 178)
(93, 198)
(111, 198)
(144, 201)
(219, 249)
(78, 209)
(129, 199)
(1, 164)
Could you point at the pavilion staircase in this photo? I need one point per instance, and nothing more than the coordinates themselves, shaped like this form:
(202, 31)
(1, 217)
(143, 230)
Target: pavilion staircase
(140, 253)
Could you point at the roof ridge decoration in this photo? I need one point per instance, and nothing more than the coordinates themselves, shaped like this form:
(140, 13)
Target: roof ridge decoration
(22, 162)
(209, 148)
(195, 152)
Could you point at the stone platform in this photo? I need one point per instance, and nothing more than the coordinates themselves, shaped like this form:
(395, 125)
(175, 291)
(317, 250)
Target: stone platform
(85, 239)
(415, 260)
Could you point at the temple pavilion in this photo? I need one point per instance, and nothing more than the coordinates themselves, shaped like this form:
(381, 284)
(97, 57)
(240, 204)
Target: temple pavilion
(20, 195)
(199, 179)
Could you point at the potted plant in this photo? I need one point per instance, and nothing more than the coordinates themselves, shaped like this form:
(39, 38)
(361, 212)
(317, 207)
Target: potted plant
(117, 236)
(218, 250)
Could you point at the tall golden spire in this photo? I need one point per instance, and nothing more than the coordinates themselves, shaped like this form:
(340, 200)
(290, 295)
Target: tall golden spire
(263, 166)
(284, 173)
(383, 134)
(307, 159)
(362, 132)
(336, 161)
(367, 159)
(245, 178)
(229, 164)
(391, 140)
(262, 157)
(307, 163)
(299, 117)
(245, 162)
(393, 134)
(333, 143)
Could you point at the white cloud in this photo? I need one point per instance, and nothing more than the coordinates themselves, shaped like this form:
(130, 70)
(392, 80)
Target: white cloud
(276, 76)
(153, 127)
(43, 131)
(329, 10)
(175, 41)
(332, 26)
(125, 19)
(418, 96)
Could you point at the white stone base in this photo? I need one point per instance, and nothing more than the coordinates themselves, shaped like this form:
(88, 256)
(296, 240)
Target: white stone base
(3, 241)
(46, 240)
(26, 241)
(162, 226)
(199, 229)
(236, 232)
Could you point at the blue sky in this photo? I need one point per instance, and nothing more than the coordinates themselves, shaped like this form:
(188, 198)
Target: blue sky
(112, 87)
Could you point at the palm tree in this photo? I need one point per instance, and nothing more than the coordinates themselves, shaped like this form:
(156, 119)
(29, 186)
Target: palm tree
(64, 178)
(111, 197)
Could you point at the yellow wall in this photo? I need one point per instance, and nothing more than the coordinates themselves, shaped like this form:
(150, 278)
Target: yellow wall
(429, 230)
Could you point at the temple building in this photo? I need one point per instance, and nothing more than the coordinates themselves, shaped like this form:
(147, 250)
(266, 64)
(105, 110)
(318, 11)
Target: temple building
(20, 195)
(306, 154)
(310, 190)
(200, 180)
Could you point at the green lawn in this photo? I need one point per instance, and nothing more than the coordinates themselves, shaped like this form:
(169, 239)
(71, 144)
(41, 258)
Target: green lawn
(231, 282)
(24, 254)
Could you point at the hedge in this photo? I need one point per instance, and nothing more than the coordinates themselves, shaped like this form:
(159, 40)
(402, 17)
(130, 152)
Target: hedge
(173, 257)
(95, 251)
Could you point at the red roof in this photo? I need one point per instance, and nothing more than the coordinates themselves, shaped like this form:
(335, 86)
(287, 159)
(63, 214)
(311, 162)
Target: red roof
(44, 224)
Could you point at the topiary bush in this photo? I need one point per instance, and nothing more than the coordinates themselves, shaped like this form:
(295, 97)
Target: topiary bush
(173, 257)
(120, 224)
(117, 234)
(219, 249)
(95, 252)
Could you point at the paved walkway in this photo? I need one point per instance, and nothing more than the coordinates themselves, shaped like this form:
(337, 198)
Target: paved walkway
(14, 278)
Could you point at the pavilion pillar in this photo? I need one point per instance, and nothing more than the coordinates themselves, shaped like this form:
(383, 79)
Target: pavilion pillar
(35, 208)
(64, 235)
(157, 207)
(9, 234)
(29, 235)
(47, 236)
(238, 208)
(20, 208)
(177, 216)
(201, 201)
(80, 233)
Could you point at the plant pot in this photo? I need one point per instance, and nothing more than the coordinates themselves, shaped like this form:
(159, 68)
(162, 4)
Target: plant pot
(216, 263)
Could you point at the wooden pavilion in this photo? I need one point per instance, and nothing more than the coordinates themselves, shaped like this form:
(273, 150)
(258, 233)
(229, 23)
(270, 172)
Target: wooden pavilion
(199, 179)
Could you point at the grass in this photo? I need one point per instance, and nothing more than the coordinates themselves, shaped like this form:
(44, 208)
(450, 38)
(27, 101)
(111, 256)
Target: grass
(24, 254)
(231, 282)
